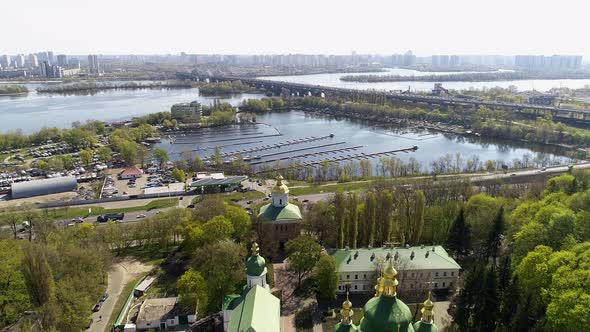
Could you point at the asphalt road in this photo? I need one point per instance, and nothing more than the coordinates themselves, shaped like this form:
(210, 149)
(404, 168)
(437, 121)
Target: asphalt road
(115, 285)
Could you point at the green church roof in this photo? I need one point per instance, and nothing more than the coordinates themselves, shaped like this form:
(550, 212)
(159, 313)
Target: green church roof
(421, 326)
(259, 311)
(270, 212)
(345, 328)
(386, 314)
(255, 265)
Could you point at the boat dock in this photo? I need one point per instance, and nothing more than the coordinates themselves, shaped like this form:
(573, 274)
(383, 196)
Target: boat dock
(359, 156)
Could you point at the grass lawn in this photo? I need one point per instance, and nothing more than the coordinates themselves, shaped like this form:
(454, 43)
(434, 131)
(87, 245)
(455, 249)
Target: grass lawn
(152, 255)
(316, 189)
(73, 212)
(246, 196)
(121, 301)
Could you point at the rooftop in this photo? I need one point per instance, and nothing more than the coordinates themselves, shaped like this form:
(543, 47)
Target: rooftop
(260, 311)
(235, 180)
(270, 212)
(131, 171)
(404, 258)
(159, 309)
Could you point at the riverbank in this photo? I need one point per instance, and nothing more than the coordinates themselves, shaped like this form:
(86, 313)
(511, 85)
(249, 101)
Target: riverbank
(92, 87)
(465, 77)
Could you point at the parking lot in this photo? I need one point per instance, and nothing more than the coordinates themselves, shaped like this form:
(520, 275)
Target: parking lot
(123, 186)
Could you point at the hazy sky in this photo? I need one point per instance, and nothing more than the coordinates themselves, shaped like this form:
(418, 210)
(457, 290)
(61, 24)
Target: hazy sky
(303, 26)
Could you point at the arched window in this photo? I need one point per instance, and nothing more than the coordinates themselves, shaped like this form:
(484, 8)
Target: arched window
(280, 202)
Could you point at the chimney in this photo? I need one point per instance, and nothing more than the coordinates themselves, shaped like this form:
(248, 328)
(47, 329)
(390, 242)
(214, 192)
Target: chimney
(412, 256)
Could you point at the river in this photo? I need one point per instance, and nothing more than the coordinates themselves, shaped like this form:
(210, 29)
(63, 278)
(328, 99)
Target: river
(34, 111)
(356, 135)
(333, 80)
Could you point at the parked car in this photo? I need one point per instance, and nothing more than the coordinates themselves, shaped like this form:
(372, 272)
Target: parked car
(139, 216)
(97, 306)
(104, 297)
(78, 220)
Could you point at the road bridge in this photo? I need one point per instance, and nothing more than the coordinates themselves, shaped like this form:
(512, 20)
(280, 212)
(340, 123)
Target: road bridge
(300, 89)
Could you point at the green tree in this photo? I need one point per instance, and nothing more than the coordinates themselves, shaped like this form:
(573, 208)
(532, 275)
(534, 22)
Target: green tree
(495, 236)
(240, 222)
(128, 152)
(192, 290)
(86, 156)
(488, 303)
(459, 235)
(326, 277)
(161, 156)
(303, 253)
(104, 154)
(13, 289)
(178, 175)
(218, 228)
(370, 206)
(222, 265)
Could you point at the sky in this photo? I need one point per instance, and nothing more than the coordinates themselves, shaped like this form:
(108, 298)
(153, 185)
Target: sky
(296, 26)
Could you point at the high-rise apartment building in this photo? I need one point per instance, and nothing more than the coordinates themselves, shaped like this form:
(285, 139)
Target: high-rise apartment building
(93, 65)
(62, 60)
(33, 61)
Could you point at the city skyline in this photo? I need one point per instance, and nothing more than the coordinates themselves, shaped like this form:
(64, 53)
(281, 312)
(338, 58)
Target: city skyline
(426, 27)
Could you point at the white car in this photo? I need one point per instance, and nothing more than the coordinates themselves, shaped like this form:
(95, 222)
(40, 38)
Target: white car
(139, 216)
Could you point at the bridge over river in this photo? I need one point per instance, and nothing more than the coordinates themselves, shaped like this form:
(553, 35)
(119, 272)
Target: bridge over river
(581, 116)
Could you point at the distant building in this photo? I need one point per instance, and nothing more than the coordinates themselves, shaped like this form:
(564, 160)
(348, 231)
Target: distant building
(44, 187)
(19, 61)
(420, 267)
(62, 60)
(50, 57)
(409, 58)
(186, 112)
(5, 60)
(131, 173)
(73, 63)
(555, 62)
(33, 61)
(93, 65)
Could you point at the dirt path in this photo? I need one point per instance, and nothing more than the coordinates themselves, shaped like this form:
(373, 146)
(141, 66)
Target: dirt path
(120, 274)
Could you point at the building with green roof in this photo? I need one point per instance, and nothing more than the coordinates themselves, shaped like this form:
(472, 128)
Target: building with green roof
(421, 267)
(281, 219)
(256, 309)
(385, 312)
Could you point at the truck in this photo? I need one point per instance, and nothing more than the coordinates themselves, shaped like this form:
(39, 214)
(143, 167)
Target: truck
(110, 216)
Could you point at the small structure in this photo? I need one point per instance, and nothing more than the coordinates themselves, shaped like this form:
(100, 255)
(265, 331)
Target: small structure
(421, 267)
(164, 314)
(43, 187)
(131, 173)
(281, 219)
(216, 182)
(143, 286)
(172, 189)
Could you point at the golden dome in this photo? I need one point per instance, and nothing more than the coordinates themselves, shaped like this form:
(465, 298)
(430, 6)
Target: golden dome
(387, 284)
(427, 306)
(346, 311)
(280, 187)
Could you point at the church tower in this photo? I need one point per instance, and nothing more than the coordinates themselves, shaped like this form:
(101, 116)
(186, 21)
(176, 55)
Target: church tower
(280, 193)
(426, 323)
(256, 269)
(385, 312)
(346, 324)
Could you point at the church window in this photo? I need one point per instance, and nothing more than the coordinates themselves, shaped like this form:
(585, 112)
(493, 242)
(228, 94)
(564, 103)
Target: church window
(280, 202)
(445, 273)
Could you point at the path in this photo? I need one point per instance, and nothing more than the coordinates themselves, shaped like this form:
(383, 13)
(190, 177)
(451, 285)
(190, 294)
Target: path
(120, 274)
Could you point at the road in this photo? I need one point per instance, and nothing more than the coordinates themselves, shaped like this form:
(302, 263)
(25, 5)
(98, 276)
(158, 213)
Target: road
(120, 274)
(116, 276)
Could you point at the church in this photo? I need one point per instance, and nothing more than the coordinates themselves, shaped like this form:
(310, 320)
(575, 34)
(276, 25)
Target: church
(385, 312)
(256, 309)
(280, 219)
